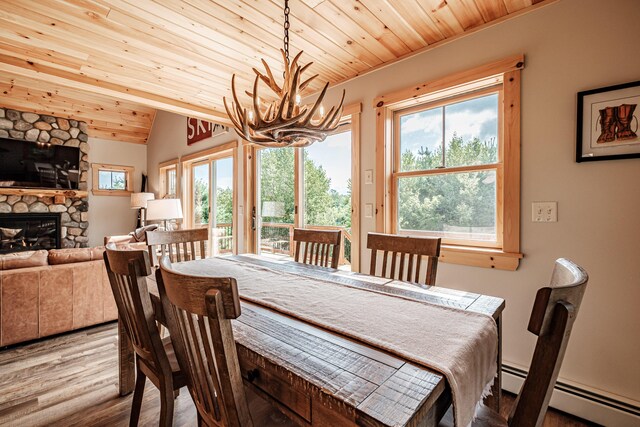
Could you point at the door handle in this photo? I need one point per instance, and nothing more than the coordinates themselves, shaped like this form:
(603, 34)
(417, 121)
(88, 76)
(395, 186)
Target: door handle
(253, 218)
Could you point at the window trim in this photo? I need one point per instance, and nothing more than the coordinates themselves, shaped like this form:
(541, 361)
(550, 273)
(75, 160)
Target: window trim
(504, 73)
(95, 184)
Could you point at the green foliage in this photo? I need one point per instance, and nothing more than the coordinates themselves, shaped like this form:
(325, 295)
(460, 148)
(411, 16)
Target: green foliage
(201, 201)
(277, 180)
(323, 206)
(460, 200)
(224, 204)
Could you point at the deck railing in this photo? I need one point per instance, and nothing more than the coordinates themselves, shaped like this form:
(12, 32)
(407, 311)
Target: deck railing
(277, 238)
(223, 235)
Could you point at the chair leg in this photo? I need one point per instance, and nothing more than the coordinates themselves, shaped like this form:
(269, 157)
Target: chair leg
(166, 405)
(136, 404)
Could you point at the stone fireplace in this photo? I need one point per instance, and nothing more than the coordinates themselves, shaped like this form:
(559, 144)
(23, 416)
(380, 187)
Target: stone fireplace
(71, 206)
(29, 232)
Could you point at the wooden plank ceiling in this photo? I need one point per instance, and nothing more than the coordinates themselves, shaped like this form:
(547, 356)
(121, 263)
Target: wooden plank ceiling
(112, 63)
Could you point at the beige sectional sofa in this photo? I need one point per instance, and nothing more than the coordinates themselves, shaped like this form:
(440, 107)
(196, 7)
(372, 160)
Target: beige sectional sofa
(44, 293)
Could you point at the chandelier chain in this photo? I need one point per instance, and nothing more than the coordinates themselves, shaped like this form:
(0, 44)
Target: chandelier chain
(286, 29)
(283, 122)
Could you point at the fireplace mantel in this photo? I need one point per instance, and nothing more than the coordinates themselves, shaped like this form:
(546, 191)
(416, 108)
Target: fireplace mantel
(42, 192)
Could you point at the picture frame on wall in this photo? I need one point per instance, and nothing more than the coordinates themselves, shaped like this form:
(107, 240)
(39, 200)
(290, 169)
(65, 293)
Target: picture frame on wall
(198, 129)
(608, 122)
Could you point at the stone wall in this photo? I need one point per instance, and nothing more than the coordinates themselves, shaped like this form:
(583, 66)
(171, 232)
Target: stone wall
(58, 131)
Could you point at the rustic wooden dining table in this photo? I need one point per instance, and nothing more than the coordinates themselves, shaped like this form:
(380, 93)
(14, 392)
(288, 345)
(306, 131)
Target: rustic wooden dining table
(321, 378)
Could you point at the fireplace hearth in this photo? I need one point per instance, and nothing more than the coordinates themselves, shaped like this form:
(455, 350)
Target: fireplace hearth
(29, 232)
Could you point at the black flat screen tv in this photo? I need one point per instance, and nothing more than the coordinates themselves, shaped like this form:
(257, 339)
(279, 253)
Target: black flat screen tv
(26, 164)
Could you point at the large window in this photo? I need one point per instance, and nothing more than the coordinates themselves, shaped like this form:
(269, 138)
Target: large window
(446, 170)
(449, 164)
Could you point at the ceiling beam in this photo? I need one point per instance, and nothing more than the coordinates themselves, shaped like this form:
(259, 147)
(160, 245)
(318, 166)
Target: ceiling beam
(64, 78)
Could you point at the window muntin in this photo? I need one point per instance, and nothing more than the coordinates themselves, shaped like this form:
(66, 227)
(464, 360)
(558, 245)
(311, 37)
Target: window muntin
(447, 169)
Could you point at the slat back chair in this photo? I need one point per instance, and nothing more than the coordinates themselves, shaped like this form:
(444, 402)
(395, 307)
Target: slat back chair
(554, 311)
(178, 245)
(199, 312)
(402, 257)
(127, 271)
(321, 247)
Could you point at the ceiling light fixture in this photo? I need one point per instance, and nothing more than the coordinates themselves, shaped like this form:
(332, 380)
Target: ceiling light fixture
(283, 122)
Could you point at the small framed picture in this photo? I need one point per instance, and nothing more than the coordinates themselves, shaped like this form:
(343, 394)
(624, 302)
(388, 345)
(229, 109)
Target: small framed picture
(608, 123)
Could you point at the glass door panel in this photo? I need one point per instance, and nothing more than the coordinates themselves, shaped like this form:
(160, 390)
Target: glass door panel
(327, 188)
(200, 186)
(222, 233)
(275, 201)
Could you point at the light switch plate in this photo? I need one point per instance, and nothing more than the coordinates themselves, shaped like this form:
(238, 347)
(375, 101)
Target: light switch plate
(544, 211)
(368, 176)
(368, 210)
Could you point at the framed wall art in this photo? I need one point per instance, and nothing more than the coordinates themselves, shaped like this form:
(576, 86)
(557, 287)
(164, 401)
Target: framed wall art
(608, 123)
(197, 130)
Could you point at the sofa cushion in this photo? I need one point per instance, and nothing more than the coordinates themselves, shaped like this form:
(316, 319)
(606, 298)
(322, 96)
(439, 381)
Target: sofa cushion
(23, 260)
(140, 234)
(72, 255)
(118, 240)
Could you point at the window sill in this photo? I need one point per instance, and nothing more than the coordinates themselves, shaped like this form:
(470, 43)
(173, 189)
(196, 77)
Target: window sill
(111, 192)
(480, 257)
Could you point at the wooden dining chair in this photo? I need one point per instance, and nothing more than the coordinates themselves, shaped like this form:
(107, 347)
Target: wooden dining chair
(155, 359)
(402, 257)
(554, 311)
(199, 311)
(178, 245)
(321, 247)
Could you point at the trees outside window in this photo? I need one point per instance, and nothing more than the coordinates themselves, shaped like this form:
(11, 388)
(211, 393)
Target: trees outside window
(448, 169)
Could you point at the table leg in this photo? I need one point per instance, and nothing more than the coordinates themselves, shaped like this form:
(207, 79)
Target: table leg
(126, 362)
(494, 400)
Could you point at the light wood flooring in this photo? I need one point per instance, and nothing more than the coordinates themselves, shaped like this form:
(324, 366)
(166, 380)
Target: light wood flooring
(71, 380)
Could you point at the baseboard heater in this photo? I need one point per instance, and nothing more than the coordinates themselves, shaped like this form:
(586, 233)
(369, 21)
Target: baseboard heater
(579, 402)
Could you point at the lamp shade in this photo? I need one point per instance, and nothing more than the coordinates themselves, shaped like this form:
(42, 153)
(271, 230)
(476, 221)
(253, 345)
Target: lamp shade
(139, 200)
(164, 209)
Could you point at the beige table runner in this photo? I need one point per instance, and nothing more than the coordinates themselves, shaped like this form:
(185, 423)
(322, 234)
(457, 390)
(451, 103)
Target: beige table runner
(459, 344)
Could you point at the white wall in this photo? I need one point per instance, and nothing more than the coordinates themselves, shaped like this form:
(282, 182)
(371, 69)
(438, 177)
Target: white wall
(569, 46)
(112, 215)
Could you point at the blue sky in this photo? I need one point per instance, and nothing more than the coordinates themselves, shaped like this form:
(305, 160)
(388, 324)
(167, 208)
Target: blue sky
(469, 119)
(224, 172)
(334, 155)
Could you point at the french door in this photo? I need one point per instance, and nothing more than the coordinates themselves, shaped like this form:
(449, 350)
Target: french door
(210, 201)
(315, 187)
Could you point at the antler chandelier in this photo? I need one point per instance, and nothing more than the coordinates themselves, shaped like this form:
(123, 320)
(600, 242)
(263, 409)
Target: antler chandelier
(283, 122)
